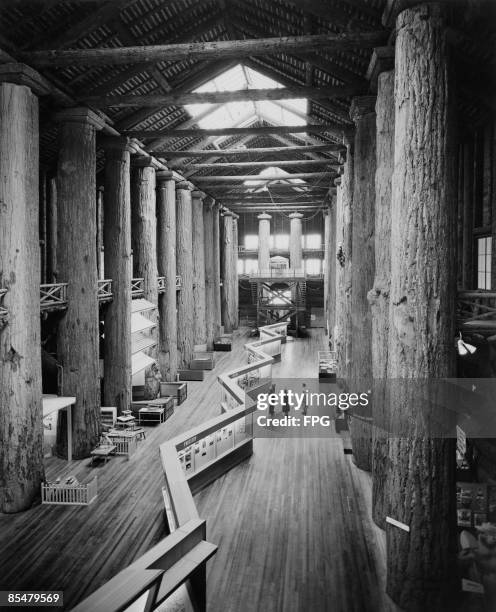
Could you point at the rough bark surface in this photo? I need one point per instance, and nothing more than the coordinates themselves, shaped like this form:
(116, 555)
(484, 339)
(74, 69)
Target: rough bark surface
(235, 268)
(421, 563)
(379, 294)
(21, 427)
(326, 268)
(362, 274)
(343, 313)
(78, 334)
(199, 322)
(184, 256)
(144, 243)
(331, 272)
(468, 216)
(166, 263)
(117, 242)
(208, 238)
(228, 274)
(52, 230)
(99, 233)
(263, 241)
(216, 237)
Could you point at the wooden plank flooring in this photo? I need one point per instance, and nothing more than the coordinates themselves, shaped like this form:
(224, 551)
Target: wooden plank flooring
(293, 523)
(77, 549)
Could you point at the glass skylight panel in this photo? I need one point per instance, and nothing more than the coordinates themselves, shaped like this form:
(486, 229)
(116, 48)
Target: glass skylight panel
(230, 114)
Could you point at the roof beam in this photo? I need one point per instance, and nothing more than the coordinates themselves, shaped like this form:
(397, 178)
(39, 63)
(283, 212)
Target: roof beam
(223, 97)
(262, 130)
(167, 154)
(310, 163)
(115, 56)
(263, 179)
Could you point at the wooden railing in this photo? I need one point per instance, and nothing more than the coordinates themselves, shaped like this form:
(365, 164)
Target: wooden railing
(183, 554)
(179, 283)
(137, 287)
(104, 290)
(161, 284)
(68, 494)
(53, 296)
(476, 310)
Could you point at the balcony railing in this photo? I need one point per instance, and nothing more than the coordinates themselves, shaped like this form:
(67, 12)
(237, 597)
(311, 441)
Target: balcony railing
(104, 290)
(476, 310)
(137, 287)
(53, 296)
(179, 283)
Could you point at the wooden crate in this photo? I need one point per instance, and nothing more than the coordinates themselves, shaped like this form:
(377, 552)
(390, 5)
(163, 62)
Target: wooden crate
(192, 374)
(222, 345)
(177, 390)
(202, 361)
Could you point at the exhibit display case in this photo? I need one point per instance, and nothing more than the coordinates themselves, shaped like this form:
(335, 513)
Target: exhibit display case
(327, 365)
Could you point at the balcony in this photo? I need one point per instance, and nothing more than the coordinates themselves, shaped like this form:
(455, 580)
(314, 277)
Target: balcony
(476, 311)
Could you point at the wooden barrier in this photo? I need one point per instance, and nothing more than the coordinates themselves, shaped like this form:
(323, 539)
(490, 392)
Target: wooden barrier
(69, 494)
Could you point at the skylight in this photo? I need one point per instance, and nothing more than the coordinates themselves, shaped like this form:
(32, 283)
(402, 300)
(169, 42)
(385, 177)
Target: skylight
(283, 178)
(239, 114)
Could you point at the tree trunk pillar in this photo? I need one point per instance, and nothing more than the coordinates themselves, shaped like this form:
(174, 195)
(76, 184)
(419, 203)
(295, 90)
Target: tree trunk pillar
(362, 272)
(117, 251)
(379, 294)
(326, 266)
(331, 271)
(217, 292)
(184, 254)
(21, 425)
(78, 334)
(344, 251)
(421, 572)
(199, 321)
(295, 246)
(166, 263)
(52, 229)
(208, 238)
(100, 256)
(228, 273)
(235, 269)
(468, 216)
(144, 244)
(263, 242)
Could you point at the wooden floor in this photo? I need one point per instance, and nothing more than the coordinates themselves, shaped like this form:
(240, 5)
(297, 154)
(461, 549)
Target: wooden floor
(292, 523)
(77, 549)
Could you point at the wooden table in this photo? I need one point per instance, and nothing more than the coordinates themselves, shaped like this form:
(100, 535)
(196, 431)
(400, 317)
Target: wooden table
(126, 422)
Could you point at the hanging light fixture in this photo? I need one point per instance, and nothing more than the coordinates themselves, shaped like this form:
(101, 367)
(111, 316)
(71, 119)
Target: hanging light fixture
(464, 348)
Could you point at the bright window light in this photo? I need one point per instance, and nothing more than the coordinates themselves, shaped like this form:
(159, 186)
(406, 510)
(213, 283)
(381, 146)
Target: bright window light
(251, 266)
(313, 266)
(251, 242)
(281, 241)
(239, 113)
(312, 241)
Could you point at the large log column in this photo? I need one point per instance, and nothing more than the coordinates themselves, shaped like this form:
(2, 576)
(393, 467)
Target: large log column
(295, 246)
(331, 271)
(235, 268)
(21, 426)
(166, 263)
(199, 320)
(210, 287)
(117, 264)
(421, 572)
(468, 216)
(78, 333)
(100, 255)
(263, 241)
(144, 243)
(184, 254)
(362, 272)
(217, 291)
(344, 258)
(52, 229)
(326, 266)
(383, 83)
(228, 273)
